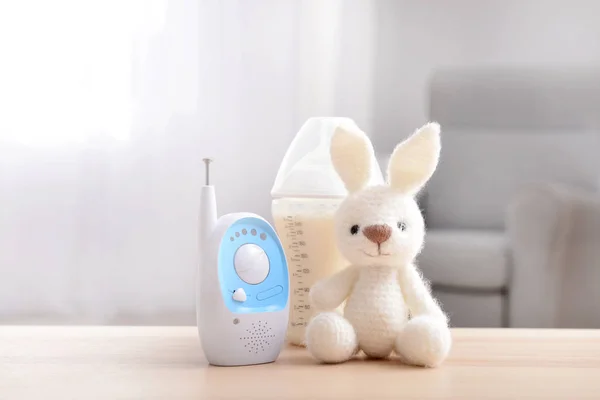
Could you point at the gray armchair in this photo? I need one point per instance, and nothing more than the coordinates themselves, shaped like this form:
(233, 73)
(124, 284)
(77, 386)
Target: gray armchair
(512, 212)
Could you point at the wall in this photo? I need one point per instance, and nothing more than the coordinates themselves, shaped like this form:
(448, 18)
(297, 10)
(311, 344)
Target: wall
(107, 232)
(415, 37)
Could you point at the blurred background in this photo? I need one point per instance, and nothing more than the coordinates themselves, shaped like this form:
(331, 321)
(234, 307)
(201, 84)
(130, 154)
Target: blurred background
(108, 107)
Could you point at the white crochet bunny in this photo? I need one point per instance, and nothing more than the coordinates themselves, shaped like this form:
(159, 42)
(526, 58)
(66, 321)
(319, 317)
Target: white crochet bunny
(380, 230)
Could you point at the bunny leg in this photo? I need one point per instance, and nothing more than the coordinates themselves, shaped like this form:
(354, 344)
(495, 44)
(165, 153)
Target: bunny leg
(424, 341)
(330, 338)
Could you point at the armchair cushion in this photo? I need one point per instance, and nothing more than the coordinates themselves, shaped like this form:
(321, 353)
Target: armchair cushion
(504, 130)
(465, 259)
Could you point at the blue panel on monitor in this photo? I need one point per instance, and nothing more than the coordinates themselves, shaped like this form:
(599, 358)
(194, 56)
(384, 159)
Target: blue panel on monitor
(272, 293)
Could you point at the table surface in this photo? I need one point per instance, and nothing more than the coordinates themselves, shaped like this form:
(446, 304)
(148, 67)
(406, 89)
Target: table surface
(167, 363)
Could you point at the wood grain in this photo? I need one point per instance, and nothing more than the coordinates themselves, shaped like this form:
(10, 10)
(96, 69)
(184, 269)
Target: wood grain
(167, 363)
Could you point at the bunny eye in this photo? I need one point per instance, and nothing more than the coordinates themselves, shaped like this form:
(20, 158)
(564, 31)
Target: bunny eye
(402, 226)
(354, 229)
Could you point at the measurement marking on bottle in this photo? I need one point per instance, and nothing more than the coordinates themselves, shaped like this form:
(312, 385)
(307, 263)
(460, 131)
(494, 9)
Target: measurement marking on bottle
(299, 262)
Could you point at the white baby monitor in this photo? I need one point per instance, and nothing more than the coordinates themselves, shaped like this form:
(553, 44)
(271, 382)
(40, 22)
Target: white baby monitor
(243, 286)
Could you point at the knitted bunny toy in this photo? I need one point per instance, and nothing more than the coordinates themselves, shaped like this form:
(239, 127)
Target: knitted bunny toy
(380, 231)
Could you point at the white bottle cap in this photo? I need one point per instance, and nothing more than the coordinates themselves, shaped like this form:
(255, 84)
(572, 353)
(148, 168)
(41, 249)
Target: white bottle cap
(306, 169)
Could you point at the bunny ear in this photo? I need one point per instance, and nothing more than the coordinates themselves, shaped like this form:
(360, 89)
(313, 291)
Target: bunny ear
(351, 153)
(414, 161)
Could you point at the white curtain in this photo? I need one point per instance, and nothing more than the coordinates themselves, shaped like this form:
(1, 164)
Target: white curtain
(107, 108)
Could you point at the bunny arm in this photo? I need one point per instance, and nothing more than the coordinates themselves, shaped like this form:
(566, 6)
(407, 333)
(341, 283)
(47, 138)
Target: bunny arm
(329, 293)
(417, 295)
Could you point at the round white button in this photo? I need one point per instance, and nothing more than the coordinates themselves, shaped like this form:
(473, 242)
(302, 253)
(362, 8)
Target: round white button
(251, 263)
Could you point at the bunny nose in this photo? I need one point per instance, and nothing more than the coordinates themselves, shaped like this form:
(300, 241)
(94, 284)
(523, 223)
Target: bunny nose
(377, 233)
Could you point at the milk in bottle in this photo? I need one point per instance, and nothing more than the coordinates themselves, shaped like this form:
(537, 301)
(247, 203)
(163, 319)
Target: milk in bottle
(306, 194)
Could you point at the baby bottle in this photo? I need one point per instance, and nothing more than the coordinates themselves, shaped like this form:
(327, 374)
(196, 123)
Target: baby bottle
(306, 194)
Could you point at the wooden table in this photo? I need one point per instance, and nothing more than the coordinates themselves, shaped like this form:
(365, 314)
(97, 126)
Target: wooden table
(167, 363)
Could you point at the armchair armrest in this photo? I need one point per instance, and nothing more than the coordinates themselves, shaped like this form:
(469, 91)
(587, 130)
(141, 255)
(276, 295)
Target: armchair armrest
(554, 234)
